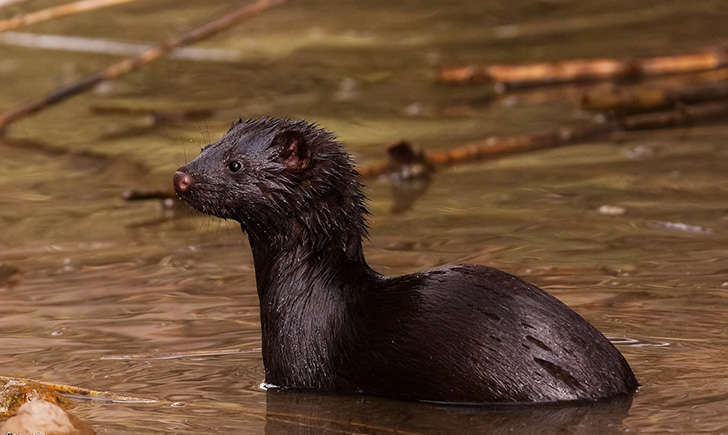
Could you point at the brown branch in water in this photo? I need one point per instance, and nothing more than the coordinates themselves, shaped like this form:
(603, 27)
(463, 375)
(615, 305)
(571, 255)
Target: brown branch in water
(582, 70)
(494, 147)
(55, 12)
(132, 63)
(497, 146)
(646, 100)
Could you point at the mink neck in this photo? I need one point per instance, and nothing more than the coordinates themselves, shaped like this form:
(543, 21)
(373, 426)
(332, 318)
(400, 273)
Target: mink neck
(308, 263)
(308, 286)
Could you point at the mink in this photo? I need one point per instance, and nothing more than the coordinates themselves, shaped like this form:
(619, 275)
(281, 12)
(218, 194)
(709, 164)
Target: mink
(330, 323)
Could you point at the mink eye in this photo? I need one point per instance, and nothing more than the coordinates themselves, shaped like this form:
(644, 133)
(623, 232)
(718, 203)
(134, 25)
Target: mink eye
(234, 166)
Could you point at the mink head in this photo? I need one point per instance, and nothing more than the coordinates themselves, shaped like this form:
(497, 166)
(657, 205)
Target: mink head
(277, 177)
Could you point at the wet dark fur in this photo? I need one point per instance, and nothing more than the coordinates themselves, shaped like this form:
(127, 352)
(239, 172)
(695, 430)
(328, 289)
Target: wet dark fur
(331, 323)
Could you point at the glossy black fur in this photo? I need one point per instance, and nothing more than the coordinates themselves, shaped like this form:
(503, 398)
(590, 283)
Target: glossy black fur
(330, 323)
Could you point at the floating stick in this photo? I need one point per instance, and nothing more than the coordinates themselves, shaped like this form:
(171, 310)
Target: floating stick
(582, 70)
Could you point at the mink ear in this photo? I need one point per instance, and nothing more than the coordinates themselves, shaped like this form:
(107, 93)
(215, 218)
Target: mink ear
(293, 148)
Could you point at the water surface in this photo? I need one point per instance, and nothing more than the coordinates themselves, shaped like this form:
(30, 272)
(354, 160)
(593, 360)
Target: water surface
(101, 278)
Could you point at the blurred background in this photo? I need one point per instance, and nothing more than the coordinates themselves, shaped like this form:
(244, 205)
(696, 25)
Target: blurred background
(630, 228)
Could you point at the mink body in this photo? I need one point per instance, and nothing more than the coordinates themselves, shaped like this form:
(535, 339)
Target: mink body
(463, 333)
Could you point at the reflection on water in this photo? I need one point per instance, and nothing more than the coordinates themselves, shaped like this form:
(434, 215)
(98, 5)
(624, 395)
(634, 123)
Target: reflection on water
(86, 278)
(299, 413)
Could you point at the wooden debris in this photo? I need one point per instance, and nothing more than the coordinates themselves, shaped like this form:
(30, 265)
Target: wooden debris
(573, 71)
(132, 63)
(497, 146)
(408, 162)
(55, 12)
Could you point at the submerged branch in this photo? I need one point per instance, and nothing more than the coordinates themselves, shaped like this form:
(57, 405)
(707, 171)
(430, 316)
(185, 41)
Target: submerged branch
(137, 61)
(496, 146)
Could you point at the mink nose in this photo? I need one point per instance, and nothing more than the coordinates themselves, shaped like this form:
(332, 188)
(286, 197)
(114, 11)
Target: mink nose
(182, 181)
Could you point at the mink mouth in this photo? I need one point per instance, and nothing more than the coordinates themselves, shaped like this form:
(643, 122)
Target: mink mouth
(203, 199)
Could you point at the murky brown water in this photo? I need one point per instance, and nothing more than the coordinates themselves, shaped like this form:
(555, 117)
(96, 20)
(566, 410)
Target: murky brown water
(102, 278)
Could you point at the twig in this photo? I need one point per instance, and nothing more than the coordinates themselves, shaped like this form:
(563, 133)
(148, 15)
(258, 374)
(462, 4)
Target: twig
(572, 71)
(135, 62)
(55, 12)
(498, 146)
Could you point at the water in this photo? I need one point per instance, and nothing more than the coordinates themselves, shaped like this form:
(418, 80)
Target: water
(99, 278)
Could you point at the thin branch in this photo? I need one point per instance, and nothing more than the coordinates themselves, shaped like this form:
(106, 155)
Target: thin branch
(132, 63)
(55, 12)
(497, 146)
(582, 70)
